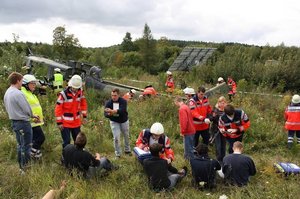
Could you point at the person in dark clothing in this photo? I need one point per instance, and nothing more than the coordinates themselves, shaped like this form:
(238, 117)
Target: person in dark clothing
(203, 168)
(216, 136)
(116, 111)
(237, 167)
(233, 124)
(157, 171)
(75, 157)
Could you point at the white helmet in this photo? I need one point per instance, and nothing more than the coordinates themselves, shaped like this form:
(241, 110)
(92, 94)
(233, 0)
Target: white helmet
(75, 82)
(57, 70)
(133, 91)
(169, 73)
(28, 78)
(220, 79)
(296, 99)
(157, 128)
(189, 91)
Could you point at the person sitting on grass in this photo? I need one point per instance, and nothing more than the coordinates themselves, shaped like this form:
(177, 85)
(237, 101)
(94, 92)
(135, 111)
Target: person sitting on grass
(203, 168)
(75, 157)
(237, 167)
(157, 171)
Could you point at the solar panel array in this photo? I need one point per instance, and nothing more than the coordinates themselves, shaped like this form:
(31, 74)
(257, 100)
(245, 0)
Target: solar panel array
(191, 57)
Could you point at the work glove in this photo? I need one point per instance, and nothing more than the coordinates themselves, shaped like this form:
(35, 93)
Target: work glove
(207, 121)
(232, 131)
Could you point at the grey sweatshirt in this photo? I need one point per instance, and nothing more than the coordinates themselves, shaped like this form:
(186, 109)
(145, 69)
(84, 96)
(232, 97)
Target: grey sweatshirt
(16, 105)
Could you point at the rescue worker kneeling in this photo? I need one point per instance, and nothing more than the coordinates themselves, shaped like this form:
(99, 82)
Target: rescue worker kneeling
(156, 135)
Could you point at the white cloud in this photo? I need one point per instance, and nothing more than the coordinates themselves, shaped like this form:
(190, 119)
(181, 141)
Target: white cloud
(104, 23)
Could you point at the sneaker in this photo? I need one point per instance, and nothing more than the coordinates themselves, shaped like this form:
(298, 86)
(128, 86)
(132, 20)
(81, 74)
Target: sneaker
(128, 153)
(22, 172)
(38, 154)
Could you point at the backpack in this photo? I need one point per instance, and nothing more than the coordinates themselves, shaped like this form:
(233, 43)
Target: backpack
(287, 168)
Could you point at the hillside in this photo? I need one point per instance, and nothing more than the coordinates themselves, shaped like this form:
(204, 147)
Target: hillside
(265, 142)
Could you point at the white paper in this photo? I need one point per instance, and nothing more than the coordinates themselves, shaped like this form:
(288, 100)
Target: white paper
(141, 151)
(115, 106)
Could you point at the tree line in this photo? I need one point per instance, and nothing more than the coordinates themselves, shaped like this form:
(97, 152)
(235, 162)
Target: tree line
(274, 67)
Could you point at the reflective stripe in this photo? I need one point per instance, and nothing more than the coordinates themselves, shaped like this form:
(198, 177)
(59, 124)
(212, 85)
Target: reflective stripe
(293, 109)
(293, 123)
(63, 95)
(70, 118)
(58, 118)
(60, 101)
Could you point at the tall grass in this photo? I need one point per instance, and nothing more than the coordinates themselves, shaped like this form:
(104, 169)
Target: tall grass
(265, 141)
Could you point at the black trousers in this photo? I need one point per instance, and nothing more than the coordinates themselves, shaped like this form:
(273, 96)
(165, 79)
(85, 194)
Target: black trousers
(205, 136)
(233, 140)
(38, 137)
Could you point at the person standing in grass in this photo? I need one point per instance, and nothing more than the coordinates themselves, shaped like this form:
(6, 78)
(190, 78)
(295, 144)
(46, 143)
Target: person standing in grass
(20, 114)
(170, 83)
(232, 88)
(217, 137)
(201, 111)
(233, 124)
(116, 111)
(71, 107)
(38, 137)
(292, 118)
(187, 129)
(157, 170)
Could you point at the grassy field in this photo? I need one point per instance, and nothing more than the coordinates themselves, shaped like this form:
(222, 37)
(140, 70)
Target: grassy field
(265, 141)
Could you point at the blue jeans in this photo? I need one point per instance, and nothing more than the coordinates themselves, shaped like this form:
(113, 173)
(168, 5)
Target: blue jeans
(174, 179)
(23, 133)
(117, 129)
(188, 141)
(65, 134)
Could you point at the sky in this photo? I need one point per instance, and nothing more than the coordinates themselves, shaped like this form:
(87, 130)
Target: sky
(102, 23)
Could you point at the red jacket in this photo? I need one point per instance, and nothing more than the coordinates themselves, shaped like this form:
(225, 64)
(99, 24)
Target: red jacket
(232, 85)
(150, 91)
(292, 117)
(144, 139)
(69, 108)
(186, 121)
(170, 83)
(127, 96)
(200, 108)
